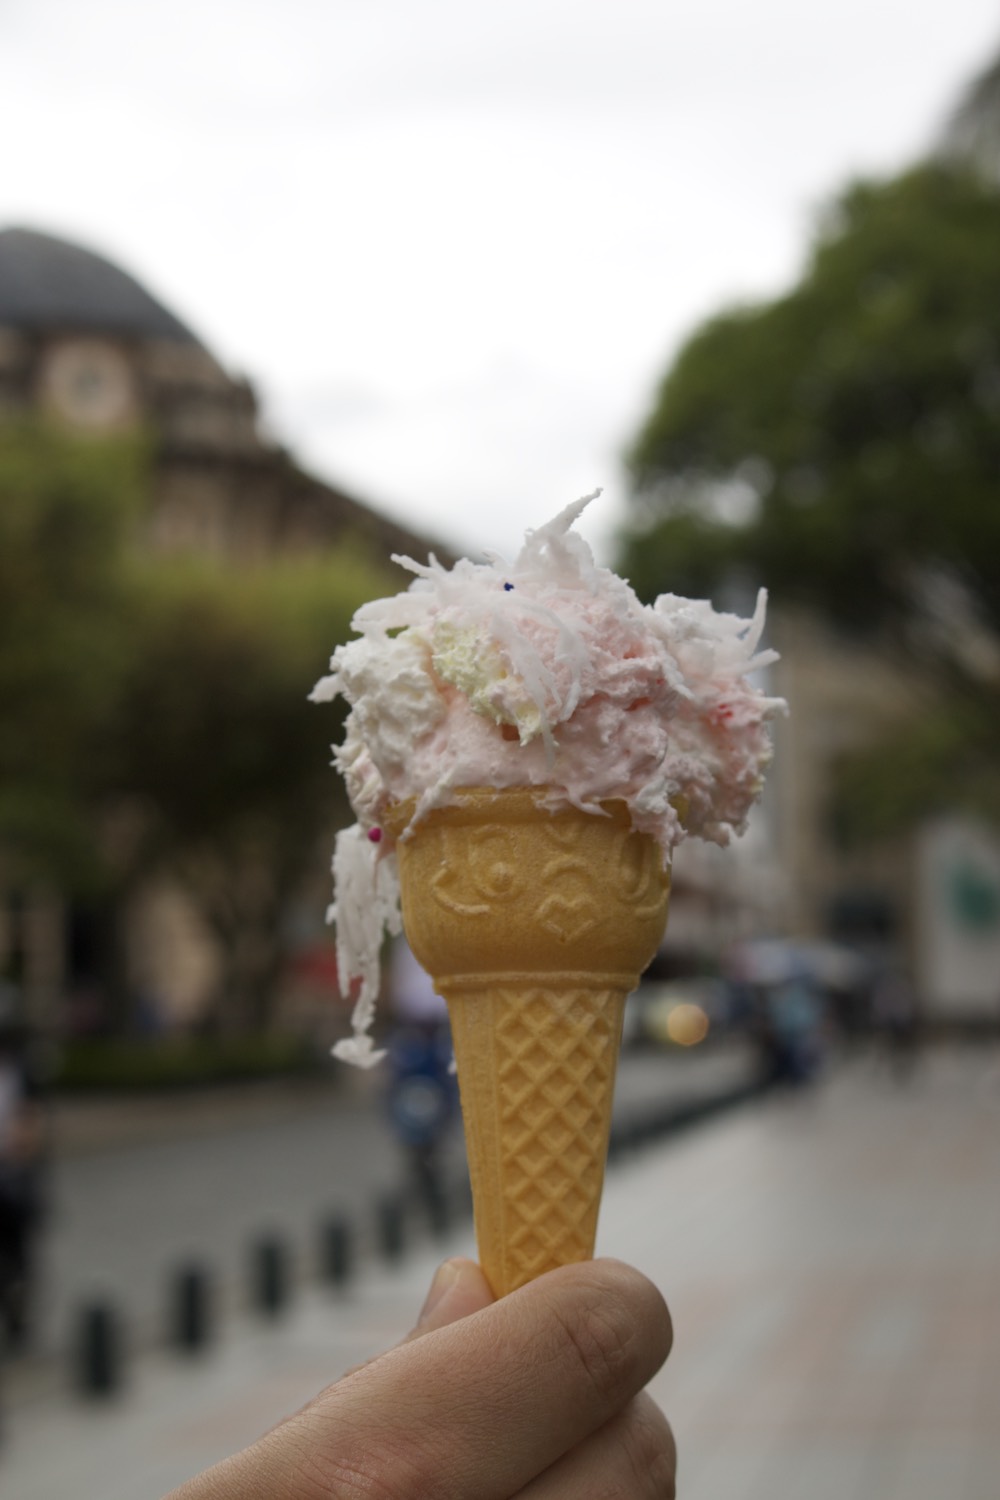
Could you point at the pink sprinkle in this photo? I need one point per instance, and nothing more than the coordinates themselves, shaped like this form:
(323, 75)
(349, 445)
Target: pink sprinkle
(375, 834)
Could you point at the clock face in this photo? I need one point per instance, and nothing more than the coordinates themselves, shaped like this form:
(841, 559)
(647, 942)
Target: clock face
(89, 383)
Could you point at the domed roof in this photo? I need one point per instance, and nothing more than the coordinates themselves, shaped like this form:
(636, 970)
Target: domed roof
(49, 283)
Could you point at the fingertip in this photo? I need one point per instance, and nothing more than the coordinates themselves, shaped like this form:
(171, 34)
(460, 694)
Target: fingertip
(649, 1301)
(644, 1291)
(459, 1289)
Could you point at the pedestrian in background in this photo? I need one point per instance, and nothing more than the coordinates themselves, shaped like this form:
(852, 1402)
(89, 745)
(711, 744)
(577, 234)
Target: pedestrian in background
(422, 1092)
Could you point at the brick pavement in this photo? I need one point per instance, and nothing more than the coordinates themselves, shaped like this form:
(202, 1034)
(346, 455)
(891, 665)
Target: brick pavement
(832, 1265)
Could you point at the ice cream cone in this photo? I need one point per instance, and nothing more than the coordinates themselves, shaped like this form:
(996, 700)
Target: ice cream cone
(535, 926)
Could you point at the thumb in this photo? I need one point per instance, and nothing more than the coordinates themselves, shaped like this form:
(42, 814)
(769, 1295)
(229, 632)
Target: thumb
(458, 1289)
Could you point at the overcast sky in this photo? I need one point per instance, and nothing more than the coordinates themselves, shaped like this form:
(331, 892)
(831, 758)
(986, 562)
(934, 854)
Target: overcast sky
(453, 245)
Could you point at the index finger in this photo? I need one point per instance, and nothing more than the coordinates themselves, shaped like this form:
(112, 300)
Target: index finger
(479, 1408)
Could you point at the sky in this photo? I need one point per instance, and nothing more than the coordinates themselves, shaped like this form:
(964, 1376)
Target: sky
(455, 247)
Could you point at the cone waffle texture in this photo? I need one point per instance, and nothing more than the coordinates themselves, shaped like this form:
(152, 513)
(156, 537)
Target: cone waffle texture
(535, 926)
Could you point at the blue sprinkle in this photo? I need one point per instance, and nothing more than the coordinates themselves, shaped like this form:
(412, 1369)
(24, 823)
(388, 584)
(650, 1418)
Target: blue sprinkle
(508, 587)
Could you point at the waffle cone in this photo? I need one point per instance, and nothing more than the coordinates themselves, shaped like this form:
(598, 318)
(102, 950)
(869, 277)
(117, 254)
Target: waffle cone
(535, 926)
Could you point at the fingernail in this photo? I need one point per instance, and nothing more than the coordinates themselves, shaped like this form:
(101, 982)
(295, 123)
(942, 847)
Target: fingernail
(445, 1278)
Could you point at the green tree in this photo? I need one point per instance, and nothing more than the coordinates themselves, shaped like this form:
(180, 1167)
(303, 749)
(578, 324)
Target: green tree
(220, 764)
(971, 136)
(154, 714)
(842, 442)
(67, 510)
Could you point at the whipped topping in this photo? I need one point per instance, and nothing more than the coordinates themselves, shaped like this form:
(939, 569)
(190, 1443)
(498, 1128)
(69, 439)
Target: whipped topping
(548, 672)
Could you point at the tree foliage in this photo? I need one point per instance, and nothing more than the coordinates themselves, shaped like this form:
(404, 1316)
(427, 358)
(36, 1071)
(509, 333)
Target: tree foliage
(154, 709)
(842, 442)
(972, 134)
(221, 765)
(67, 509)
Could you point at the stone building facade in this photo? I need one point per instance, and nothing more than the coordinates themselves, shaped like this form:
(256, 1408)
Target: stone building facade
(82, 342)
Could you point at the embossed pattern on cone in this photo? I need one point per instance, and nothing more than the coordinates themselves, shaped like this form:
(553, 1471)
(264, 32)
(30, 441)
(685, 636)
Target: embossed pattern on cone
(537, 1069)
(535, 926)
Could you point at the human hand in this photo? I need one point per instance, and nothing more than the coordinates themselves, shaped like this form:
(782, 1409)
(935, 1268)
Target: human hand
(536, 1397)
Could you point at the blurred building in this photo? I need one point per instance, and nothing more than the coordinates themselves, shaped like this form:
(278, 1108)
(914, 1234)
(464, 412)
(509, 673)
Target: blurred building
(719, 897)
(86, 345)
(925, 903)
(844, 697)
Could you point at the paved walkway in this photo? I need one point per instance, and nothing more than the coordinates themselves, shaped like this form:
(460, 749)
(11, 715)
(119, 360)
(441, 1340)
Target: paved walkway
(143, 1186)
(832, 1265)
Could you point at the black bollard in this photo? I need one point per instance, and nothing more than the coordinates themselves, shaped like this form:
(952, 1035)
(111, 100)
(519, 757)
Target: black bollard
(99, 1350)
(336, 1250)
(271, 1278)
(191, 1309)
(391, 1221)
